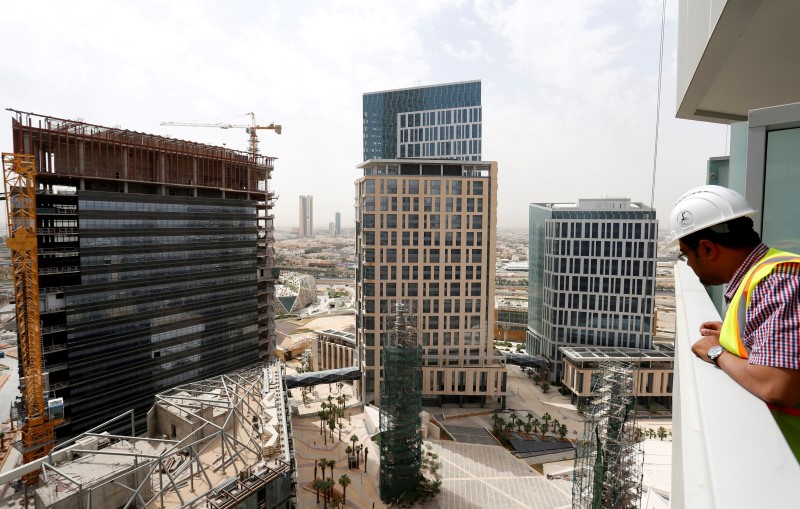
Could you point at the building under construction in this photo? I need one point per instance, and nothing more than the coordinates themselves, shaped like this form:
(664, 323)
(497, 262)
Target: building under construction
(401, 404)
(219, 443)
(608, 463)
(155, 264)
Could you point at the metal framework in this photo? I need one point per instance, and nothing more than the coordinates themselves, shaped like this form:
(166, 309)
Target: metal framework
(608, 463)
(240, 443)
(19, 172)
(401, 404)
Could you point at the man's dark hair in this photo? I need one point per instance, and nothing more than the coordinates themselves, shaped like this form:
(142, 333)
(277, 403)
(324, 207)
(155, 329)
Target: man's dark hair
(736, 233)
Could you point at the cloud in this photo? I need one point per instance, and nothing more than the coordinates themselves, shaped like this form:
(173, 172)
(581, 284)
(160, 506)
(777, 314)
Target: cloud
(472, 51)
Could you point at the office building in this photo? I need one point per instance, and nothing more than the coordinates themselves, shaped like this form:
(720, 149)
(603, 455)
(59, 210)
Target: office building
(155, 260)
(592, 277)
(425, 231)
(432, 122)
(306, 216)
(338, 227)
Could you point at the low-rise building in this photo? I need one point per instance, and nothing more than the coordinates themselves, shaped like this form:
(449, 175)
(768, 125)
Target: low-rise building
(653, 382)
(333, 349)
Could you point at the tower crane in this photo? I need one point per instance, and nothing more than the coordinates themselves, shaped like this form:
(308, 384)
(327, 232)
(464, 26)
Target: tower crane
(252, 129)
(38, 436)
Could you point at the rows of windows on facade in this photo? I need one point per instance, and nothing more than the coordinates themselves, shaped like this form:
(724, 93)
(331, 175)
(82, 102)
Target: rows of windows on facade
(146, 282)
(425, 232)
(592, 276)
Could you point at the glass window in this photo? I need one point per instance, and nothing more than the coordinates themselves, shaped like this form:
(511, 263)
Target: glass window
(780, 228)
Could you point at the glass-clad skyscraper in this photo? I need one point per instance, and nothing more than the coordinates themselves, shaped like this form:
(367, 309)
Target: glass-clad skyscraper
(592, 276)
(434, 122)
(155, 265)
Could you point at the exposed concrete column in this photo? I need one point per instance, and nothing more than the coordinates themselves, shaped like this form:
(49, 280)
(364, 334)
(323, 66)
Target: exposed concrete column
(194, 177)
(223, 175)
(81, 158)
(125, 163)
(162, 171)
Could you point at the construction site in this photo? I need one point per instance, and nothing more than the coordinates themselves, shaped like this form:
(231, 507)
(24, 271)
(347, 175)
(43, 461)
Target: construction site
(141, 263)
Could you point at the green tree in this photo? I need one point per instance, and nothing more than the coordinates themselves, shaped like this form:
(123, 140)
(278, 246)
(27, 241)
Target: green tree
(546, 418)
(545, 387)
(536, 425)
(562, 431)
(318, 486)
(528, 427)
(331, 464)
(323, 464)
(344, 481)
(662, 433)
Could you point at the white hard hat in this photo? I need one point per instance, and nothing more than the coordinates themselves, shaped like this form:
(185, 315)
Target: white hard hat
(705, 206)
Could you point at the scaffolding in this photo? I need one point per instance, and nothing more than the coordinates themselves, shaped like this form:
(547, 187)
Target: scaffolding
(608, 463)
(401, 404)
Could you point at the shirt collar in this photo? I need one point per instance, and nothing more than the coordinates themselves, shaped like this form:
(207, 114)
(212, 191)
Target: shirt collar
(754, 257)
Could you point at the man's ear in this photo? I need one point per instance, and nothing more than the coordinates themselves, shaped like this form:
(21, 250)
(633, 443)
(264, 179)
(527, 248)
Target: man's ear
(708, 249)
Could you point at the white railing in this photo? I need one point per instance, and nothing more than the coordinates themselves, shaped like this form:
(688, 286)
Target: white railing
(727, 450)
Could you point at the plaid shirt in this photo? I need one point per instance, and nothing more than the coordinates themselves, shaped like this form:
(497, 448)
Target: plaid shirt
(772, 328)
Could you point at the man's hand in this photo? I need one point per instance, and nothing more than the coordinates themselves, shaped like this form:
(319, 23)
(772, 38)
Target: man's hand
(710, 329)
(704, 344)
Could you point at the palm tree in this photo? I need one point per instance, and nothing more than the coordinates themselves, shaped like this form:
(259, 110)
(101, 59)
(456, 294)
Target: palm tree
(556, 424)
(528, 427)
(662, 433)
(336, 502)
(562, 431)
(318, 486)
(546, 418)
(323, 464)
(331, 464)
(344, 481)
(536, 425)
(326, 486)
(359, 447)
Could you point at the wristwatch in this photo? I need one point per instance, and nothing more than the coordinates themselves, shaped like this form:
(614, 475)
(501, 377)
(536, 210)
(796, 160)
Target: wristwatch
(714, 352)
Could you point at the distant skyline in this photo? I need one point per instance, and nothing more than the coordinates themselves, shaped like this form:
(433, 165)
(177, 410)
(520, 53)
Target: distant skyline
(569, 87)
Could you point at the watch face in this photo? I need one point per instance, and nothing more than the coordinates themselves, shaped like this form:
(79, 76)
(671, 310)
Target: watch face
(715, 352)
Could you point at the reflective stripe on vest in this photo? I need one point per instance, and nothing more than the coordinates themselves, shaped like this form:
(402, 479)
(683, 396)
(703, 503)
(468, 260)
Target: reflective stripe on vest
(733, 328)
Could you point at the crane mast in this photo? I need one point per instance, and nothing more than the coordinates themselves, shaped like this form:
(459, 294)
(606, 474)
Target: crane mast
(19, 172)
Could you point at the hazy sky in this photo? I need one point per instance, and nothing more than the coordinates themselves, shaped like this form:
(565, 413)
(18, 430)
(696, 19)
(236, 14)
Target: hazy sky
(569, 86)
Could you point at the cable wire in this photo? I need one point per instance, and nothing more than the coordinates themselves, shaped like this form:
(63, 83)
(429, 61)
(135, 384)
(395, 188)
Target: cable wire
(658, 103)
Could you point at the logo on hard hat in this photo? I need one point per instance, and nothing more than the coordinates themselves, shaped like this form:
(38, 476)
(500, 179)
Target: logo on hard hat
(685, 218)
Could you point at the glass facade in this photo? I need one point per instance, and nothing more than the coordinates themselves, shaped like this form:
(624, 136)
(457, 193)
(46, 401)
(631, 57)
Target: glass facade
(591, 278)
(167, 295)
(780, 227)
(440, 122)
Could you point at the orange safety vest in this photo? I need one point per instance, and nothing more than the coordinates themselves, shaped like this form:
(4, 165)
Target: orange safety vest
(733, 330)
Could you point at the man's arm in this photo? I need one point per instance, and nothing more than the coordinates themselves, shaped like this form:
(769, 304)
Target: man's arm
(778, 386)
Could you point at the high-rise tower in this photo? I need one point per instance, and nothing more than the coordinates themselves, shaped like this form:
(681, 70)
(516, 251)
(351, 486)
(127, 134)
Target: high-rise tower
(155, 264)
(426, 232)
(306, 216)
(432, 122)
(592, 276)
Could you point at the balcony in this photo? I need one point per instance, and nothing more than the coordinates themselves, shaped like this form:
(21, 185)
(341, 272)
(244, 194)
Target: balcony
(727, 451)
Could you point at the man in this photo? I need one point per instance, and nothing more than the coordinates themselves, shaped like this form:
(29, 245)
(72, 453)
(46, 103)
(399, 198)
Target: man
(758, 344)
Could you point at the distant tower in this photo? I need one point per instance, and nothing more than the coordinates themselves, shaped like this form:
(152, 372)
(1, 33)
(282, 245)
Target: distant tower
(338, 230)
(306, 216)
